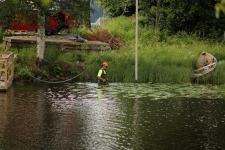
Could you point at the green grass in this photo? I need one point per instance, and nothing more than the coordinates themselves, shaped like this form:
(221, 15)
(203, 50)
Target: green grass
(162, 58)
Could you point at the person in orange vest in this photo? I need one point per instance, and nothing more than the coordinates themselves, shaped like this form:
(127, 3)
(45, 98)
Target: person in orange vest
(102, 80)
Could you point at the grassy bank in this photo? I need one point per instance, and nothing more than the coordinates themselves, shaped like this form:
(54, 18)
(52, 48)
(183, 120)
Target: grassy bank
(164, 64)
(161, 57)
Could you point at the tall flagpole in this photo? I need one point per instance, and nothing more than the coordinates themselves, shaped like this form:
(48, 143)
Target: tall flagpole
(136, 44)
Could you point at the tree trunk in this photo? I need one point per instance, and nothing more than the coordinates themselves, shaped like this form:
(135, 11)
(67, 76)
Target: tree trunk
(40, 38)
(157, 14)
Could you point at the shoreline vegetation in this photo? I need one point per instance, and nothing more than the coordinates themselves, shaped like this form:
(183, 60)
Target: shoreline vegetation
(162, 58)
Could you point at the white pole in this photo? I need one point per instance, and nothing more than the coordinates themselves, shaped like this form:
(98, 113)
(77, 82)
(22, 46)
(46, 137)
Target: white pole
(136, 44)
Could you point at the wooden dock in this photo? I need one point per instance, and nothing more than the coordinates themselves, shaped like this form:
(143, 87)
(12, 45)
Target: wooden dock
(6, 70)
(66, 42)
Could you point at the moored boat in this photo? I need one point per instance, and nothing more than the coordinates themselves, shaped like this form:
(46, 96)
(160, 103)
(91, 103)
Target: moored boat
(205, 64)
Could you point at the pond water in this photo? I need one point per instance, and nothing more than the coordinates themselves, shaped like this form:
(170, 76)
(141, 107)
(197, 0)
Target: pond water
(122, 116)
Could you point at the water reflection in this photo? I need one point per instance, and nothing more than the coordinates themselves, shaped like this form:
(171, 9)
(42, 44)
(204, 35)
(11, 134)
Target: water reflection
(121, 116)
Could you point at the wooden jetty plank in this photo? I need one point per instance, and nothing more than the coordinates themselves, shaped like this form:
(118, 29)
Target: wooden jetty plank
(15, 39)
(70, 46)
(59, 41)
(6, 69)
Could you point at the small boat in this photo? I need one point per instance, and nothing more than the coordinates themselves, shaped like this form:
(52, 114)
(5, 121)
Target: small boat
(205, 64)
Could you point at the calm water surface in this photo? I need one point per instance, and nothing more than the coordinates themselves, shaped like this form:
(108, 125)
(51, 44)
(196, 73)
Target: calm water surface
(81, 116)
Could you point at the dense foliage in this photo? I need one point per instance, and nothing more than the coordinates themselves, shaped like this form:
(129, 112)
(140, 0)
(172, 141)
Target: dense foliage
(191, 16)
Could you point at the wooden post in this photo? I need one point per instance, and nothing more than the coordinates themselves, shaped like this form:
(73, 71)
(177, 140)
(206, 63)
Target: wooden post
(136, 44)
(41, 37)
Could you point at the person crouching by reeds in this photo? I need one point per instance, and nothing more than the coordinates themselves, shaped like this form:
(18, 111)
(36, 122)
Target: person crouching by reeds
(102, 80)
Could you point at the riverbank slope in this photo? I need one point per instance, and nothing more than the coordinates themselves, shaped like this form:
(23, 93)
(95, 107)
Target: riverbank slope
(162, 58)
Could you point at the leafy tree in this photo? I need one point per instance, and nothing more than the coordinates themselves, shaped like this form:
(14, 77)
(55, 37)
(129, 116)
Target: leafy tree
(195, 16)
(220, 7)
(148, 9)
(192, 16)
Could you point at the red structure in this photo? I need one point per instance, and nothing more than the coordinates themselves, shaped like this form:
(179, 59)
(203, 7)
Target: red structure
(54, 23)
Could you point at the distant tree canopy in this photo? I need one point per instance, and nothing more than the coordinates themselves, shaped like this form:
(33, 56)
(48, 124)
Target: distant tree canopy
(192, 16)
